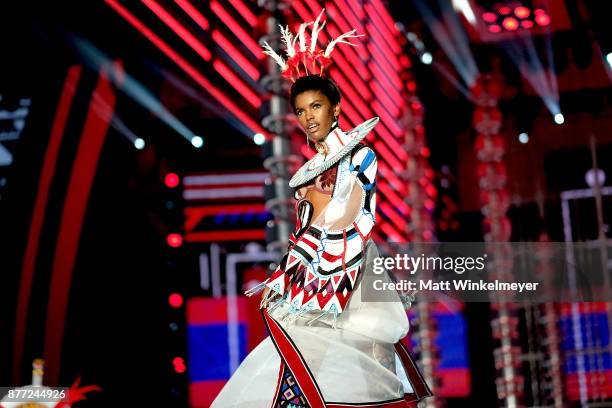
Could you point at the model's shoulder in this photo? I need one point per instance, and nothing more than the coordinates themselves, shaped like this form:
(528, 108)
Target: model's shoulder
(361, 151)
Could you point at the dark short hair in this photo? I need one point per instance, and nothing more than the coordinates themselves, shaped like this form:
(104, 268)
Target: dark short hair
(315, 83)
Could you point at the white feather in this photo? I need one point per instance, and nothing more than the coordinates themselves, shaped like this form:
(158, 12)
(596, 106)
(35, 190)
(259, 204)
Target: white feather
(295, 38)
(316, 30)
(287, 39)
(269, 51)
(341, 39)
(300, 35)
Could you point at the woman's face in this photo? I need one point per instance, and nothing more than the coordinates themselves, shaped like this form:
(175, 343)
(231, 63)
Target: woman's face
(315, 113)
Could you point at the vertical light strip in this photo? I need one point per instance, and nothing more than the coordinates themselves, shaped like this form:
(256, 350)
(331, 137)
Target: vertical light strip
(40, 204)
(83, 172)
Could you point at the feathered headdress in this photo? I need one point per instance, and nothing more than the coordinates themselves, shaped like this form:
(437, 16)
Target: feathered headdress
(303, 58)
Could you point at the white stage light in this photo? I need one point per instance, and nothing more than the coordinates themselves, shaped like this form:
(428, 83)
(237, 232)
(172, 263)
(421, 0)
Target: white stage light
(139, 144)
(197, 141)
(259, 139)
(426, 58)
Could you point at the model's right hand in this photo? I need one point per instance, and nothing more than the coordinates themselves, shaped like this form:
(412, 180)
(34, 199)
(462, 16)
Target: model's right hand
(264, 301)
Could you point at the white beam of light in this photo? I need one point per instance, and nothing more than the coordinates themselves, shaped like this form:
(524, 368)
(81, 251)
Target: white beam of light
(452, 38)
(452, 79)
(102, 109)
(464, 7)
(131, 87)
(609, 70)
(608, 62)
(204, 101)
(523, 54)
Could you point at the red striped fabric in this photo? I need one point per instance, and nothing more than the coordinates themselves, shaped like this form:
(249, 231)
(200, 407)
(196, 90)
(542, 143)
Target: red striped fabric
(292, 357)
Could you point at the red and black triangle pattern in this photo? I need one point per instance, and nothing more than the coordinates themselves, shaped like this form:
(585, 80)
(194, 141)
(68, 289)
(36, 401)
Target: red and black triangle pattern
(289, 392)
(330, 293)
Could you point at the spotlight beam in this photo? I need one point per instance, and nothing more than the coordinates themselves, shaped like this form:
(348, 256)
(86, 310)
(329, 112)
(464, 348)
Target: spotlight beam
(451, 38)
(105, 112)
(458, 34)
(131, 87)
(523, 54)
(452, 79)
(200, 98)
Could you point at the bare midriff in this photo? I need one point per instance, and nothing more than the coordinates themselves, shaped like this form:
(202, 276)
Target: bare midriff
(318, 198)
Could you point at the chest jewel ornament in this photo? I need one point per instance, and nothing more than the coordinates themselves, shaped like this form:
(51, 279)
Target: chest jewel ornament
(322, 148)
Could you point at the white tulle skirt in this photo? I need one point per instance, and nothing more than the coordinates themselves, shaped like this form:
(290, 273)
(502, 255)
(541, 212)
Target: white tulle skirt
(351, 357)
